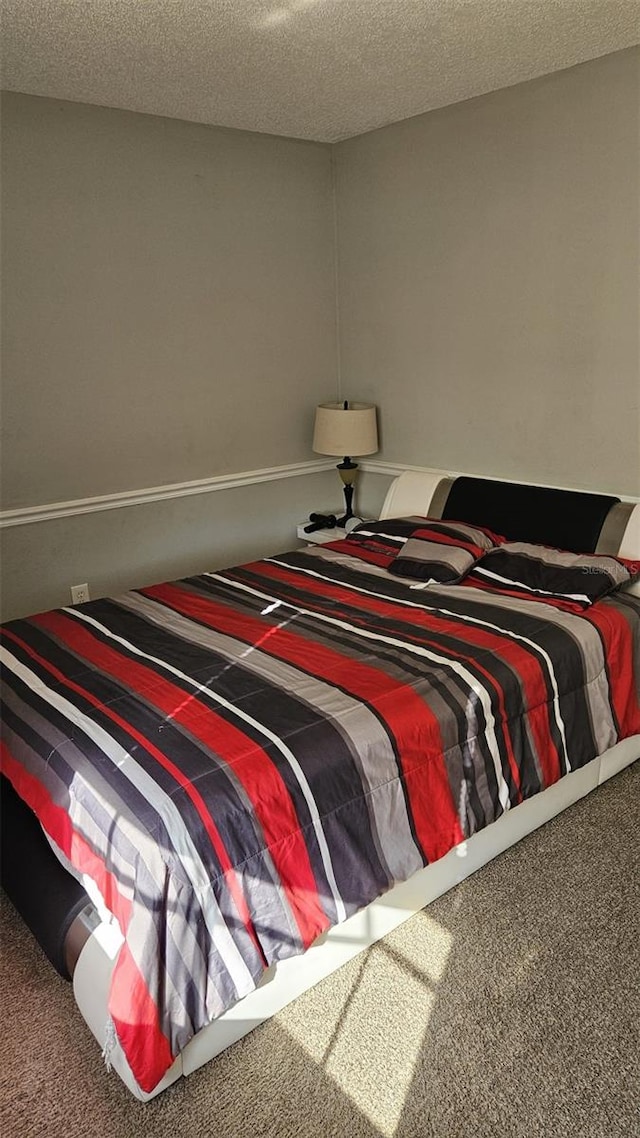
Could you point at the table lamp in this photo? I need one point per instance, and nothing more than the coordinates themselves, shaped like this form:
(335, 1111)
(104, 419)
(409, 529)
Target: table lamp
(346, 429)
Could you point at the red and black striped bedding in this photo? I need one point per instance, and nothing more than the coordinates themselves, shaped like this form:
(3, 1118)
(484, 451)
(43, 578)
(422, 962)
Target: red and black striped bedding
(243, 759)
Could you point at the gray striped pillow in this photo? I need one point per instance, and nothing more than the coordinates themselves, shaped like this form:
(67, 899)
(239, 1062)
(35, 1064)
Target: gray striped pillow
(442, 552)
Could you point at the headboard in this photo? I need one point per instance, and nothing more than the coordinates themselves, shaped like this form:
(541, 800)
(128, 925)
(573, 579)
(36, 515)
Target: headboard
(579, 521)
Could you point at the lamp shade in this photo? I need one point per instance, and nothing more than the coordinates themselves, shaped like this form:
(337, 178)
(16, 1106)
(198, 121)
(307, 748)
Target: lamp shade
(345, 431)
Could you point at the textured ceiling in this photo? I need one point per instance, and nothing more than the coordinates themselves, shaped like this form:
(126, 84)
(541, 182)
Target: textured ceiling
(318, 69)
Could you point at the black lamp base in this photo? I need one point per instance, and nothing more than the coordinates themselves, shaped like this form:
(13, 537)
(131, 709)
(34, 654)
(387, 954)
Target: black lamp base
(348, 497)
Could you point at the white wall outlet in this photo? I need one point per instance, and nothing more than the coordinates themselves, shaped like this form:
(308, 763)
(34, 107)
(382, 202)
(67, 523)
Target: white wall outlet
(79, 594)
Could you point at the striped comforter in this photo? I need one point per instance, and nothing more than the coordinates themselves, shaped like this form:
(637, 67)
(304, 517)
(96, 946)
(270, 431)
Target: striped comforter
(242, 759)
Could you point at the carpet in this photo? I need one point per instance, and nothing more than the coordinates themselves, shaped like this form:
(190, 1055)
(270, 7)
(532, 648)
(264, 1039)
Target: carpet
(509, 1008)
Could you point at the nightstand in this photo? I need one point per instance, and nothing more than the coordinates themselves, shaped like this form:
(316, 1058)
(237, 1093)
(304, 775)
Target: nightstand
(320, 536)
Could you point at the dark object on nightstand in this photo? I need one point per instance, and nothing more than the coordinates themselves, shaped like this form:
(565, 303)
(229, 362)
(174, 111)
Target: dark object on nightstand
(321, 521)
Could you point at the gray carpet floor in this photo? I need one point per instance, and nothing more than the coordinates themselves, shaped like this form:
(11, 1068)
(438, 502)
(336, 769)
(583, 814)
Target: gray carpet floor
(509, 1009)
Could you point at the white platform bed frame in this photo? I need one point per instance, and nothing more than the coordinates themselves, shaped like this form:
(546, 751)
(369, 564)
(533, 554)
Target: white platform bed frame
(411, 493)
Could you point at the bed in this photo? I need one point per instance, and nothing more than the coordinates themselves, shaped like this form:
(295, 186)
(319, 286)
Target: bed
(247, 778)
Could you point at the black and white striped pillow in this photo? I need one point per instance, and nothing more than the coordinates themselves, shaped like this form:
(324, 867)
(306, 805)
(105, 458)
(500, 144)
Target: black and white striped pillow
(540, 572)
(442, 552)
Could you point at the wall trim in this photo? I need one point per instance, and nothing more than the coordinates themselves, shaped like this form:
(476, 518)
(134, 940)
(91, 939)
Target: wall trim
(45, 513)
(393, 469)
(27, 515)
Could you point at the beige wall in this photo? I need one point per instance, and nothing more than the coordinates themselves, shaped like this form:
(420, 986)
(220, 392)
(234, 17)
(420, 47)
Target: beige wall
(488, 280)
(169, 315)
(115, 550)
(169, 299)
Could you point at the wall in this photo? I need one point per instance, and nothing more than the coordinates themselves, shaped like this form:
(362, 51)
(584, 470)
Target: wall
(168, 315)
(139, 545)
(488, 281)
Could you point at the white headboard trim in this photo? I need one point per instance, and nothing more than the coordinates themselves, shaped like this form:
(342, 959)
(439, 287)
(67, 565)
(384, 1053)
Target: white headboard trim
(630, 543)
(411, 493)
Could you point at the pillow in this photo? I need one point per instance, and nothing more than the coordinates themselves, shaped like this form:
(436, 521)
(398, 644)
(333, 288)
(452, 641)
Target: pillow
(442, 552)
(387, 536)
(543, 573)
(376, 543)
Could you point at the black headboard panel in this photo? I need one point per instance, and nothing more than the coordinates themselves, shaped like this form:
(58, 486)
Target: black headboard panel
(567, 519)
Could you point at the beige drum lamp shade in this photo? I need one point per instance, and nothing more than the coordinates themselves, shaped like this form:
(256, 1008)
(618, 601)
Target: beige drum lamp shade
(345, 430)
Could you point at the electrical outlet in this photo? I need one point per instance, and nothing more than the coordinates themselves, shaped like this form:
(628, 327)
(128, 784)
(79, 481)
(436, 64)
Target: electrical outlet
(79, 594)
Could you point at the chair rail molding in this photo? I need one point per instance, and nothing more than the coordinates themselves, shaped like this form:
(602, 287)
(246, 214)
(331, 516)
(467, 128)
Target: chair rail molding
(27, 515)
